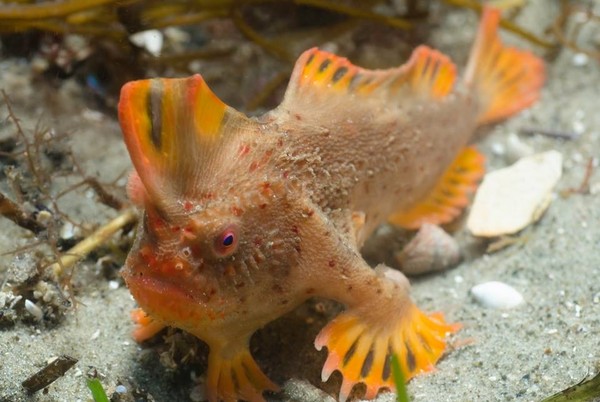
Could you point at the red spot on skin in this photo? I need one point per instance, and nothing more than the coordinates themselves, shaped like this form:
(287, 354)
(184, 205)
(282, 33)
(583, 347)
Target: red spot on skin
(236, 211)
(285, 174)
(257, 241)
(267, 155)
(332, 263)
(295, 229)
(266, 188)
(175, 229)
(297, 116)
(280, 142)
(244, 150)
(188, 206)
(253, 166)
(262, 206)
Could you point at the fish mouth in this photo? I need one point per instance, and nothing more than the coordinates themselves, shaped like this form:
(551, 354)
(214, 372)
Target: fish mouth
(167, 300)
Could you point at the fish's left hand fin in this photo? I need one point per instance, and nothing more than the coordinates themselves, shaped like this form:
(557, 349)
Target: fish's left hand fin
(234, 375)
(362, 351)
(449, 196)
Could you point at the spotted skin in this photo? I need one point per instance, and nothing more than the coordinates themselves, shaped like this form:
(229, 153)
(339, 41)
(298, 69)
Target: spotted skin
(246, 218)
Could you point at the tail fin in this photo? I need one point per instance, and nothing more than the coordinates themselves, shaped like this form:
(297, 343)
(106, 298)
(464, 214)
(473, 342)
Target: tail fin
(505, 79)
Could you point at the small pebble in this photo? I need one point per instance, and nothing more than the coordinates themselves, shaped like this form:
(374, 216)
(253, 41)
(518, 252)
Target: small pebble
(113, 285)
(496, 295)
(578, 127)
(44, 217)
(151, 40)
(95, 335)
(67, 231)
(517, 149)
(34, 310)
(121, 389)
(580, 59)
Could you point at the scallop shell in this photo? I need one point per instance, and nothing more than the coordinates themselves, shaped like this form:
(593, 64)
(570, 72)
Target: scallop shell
(432, 249)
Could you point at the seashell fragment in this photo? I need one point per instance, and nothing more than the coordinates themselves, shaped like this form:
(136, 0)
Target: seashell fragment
(151, 40)
(510, 199)
(496, 295)
(432, 249)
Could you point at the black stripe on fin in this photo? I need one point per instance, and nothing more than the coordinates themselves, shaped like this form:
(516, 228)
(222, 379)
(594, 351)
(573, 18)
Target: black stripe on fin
(154, 109)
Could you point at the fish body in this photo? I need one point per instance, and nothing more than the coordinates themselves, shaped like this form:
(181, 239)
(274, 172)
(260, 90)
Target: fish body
(246, 218)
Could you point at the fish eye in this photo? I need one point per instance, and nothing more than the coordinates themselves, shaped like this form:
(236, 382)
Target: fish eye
(226, 241)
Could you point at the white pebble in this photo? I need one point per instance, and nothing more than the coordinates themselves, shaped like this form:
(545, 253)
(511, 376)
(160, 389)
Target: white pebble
(580, 59)
(496, 295)
(151, 40)
(113, 285)
(34, 310)
(498, 149)
(516, 149)
(95, 335)
(578, 127)
(121, 389)
(67, 231)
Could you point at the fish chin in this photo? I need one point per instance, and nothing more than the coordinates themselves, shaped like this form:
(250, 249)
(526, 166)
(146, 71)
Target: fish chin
(168, 299)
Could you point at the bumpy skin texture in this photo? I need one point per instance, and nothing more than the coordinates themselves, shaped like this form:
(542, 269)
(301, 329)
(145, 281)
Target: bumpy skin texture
(244, 219)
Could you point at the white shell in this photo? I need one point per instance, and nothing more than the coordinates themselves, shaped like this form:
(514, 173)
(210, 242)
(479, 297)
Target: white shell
(34, 310)
(509, 199)
(151, 40)
(496, 295)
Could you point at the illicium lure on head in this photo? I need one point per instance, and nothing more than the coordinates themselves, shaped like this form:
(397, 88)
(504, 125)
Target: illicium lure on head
(244, 219)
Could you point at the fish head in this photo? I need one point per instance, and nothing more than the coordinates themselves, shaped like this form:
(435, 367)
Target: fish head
(214, 239)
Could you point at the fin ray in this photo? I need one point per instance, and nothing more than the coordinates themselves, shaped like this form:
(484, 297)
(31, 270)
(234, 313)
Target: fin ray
(322, 80)
(416, 338)
(171, 127)
(505, 79)
(449, 196)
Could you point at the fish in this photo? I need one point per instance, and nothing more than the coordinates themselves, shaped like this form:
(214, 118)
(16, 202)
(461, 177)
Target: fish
(245, 218)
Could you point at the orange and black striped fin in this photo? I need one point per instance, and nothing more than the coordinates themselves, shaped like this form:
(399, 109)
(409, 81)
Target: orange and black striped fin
(506, 80)
(362, 351)
(324, 80)
(449, 196)
(170, 126)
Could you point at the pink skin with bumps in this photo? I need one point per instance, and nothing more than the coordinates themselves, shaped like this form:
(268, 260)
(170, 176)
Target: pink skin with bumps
(244, 219)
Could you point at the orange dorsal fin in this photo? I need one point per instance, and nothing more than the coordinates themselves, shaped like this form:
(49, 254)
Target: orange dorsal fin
(323, 80)
(506, 80)
(449, 196)
(171, 127)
